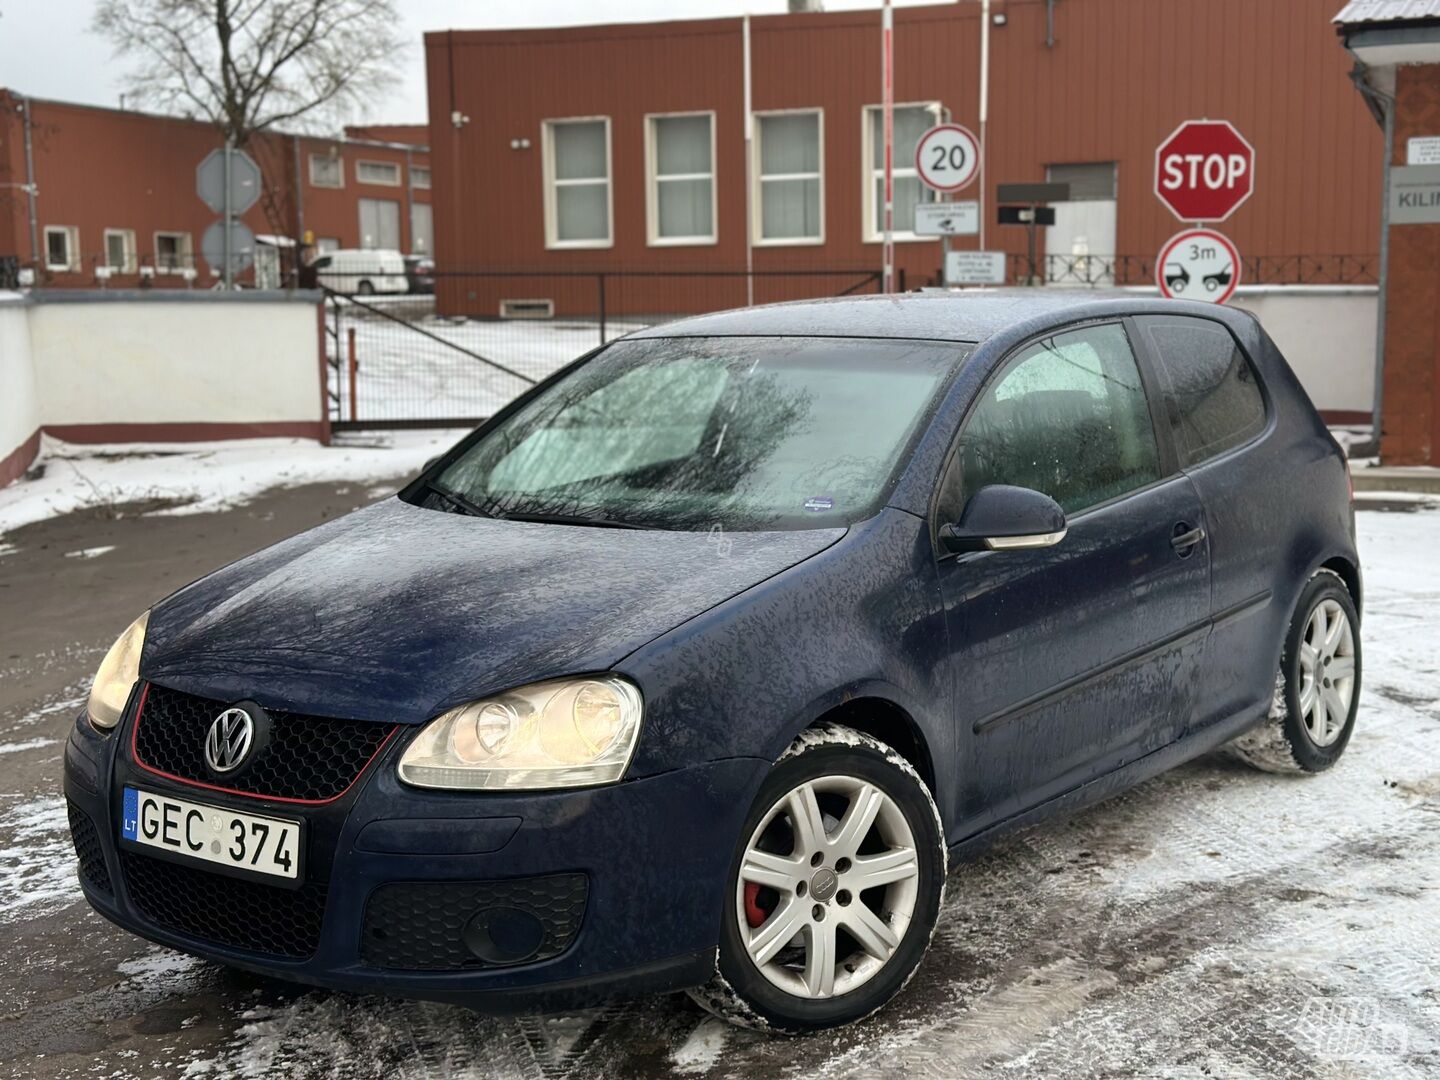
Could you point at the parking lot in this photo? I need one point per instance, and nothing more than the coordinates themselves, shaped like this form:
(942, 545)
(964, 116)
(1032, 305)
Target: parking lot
(1214, 922)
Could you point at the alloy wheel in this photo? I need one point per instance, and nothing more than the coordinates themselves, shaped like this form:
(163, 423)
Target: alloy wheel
(827, 887)
(1327, 672)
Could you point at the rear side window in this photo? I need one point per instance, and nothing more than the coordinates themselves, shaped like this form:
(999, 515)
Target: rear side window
(1211, 394)
(1066, 416)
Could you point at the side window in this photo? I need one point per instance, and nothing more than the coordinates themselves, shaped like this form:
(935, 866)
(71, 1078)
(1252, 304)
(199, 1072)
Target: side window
(1067, 416)
(1211, 394)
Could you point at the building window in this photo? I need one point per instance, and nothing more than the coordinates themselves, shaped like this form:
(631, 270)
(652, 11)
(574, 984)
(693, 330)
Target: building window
(120, 250)
(378, 172)
(172, 252)
(422, 229)
(789, 178)
(380, 224)
(62, 247)
(326, 244)
(911, 121)
(420, 177)
(578, 211)
(326, 170)
(680, 168)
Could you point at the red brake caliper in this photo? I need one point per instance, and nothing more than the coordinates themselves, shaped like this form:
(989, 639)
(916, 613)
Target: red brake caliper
(754, 913)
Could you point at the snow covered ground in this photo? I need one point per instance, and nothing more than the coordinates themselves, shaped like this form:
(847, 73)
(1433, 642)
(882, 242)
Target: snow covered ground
(433, 367)
(196, 478)
(1214, 922)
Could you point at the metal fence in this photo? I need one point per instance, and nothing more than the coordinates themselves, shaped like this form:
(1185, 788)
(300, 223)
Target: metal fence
(1100, 271)
(454, 356)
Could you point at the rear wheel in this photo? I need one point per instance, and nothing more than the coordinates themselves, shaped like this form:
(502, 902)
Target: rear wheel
(365, 288)
(1317, 691)
(834, 888)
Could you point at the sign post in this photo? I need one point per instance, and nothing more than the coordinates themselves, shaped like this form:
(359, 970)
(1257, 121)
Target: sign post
(947, 159)
(887, 78)
(228, 182)
(1030, 216)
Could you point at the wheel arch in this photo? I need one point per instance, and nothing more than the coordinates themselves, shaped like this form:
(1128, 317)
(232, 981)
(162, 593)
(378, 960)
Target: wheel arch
(885, 719)
(1349, 573)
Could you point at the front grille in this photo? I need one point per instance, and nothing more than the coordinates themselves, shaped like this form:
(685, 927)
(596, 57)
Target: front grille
(313, 758)
(420, 926)
(88, 850)
(228, 911)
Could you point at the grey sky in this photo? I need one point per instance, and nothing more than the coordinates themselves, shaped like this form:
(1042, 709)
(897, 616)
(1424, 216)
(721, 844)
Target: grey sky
(47, 50)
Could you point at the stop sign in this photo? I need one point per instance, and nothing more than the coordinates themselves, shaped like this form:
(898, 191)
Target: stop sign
(1204, 170)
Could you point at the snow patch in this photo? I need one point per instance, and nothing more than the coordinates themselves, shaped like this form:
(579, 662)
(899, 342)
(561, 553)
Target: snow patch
(37, 861)
(203, 478)
(89, 553)
(28, 744)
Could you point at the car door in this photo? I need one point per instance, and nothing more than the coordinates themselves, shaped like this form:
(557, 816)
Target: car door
(1212, 399)
(1070, 661)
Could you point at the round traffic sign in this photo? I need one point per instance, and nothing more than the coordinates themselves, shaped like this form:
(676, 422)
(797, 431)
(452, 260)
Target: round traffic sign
(947, 157)
(1204, 170)
(1198, 264)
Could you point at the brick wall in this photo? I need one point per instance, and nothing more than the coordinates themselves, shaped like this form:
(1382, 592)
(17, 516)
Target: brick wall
(1411, 422)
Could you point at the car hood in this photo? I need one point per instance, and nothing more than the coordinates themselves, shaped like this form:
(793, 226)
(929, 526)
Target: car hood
(397, 612)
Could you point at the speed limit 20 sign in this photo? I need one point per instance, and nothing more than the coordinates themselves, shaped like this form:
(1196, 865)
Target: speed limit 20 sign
(947, 157)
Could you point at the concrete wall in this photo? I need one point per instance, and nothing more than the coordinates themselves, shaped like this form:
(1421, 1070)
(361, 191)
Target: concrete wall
(152, 366)
(1327, 332)
(19, 404)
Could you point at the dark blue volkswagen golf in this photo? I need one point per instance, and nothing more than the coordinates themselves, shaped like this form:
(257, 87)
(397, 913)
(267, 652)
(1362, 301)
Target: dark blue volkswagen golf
(694, 666)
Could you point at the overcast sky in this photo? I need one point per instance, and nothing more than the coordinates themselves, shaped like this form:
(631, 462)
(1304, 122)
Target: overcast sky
(47, 50)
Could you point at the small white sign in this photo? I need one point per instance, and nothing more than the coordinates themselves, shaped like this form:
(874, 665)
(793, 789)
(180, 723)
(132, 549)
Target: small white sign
(1423, 150)
(975, 268)
(947, 219)
(947, 157)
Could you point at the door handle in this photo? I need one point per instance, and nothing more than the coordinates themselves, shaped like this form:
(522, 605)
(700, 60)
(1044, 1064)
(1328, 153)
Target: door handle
(1186, 538)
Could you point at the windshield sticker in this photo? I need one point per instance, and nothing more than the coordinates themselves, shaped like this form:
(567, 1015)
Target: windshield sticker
(818, 503)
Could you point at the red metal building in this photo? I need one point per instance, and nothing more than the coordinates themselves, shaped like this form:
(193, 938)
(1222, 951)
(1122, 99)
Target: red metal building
(105, 196)
(624, 147)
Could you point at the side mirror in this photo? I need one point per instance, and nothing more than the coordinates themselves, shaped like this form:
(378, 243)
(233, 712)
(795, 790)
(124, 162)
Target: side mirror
(999, 517)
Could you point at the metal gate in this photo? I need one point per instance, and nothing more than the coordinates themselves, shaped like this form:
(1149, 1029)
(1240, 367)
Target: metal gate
(453, 357)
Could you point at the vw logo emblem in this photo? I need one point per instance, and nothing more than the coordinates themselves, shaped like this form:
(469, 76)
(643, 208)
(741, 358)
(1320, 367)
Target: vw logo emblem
(228, 743)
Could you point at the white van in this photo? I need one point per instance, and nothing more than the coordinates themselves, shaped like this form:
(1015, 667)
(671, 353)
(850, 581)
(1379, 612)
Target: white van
(365, 271)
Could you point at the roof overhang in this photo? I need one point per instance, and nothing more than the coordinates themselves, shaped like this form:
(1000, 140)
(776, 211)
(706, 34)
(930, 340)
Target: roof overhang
(1383, 46)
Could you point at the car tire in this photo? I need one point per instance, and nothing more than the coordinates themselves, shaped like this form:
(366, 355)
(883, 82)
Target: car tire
(1313, 712)
(872, 807)
(365, 288)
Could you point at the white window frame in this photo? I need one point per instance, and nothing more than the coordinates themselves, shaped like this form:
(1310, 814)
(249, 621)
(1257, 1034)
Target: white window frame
(127, 237)
(868, 233)
(362, 162)
(653, 181)
(758, 180)
(186, 252)
(72, 248)
(339, 170)
(414, 183)
(550, 183)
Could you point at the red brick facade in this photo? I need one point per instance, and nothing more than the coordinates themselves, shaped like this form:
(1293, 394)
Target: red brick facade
(108, 176)
(1411, 422)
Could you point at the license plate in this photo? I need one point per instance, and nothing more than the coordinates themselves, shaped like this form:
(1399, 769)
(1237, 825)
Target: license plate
(212, 834)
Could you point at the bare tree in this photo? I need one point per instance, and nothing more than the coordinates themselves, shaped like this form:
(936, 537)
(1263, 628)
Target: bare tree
(250, 66)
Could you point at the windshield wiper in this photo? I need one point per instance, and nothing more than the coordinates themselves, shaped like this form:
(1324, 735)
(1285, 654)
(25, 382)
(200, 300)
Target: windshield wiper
(459, 502)
(572, 519)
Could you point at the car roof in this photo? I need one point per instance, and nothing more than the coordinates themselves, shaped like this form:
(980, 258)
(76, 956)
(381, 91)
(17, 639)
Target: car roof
(971, 315)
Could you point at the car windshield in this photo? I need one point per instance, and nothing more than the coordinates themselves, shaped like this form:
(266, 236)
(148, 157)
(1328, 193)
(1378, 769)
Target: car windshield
(691, 433)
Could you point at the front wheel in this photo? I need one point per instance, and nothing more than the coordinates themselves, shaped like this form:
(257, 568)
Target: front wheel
(834, 888)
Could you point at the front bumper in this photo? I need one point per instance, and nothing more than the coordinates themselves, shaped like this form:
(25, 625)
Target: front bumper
(653, 854)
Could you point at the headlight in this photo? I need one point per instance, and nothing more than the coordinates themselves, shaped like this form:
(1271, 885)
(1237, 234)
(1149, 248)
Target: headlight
(557, 734)
(117, 674)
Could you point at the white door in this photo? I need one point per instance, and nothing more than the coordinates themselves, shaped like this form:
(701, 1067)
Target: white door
(380, 224)
(1080, 246)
